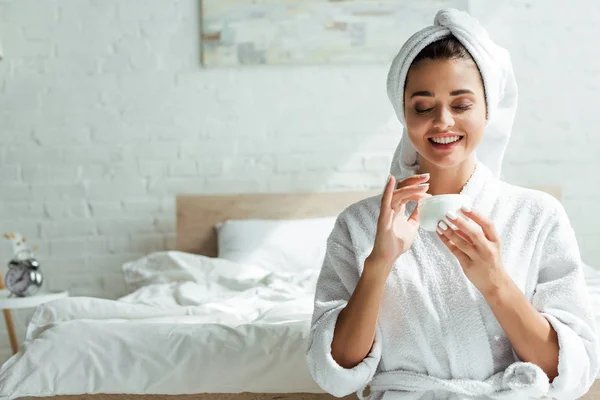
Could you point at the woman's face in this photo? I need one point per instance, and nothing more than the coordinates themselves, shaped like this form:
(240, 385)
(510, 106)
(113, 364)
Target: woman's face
(444, 100)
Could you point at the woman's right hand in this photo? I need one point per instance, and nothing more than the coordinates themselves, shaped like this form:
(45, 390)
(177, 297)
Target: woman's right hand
(395, 233)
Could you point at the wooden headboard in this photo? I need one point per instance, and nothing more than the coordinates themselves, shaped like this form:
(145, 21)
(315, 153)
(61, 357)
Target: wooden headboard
(197, 214)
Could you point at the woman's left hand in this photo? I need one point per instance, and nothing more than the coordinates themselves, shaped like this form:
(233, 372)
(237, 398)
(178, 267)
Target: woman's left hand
(479, 251)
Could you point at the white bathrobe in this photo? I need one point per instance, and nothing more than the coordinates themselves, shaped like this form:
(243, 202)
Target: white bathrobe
(436, 335)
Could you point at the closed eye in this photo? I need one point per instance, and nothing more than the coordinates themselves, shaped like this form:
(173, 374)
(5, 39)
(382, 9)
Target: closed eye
(423, 111)
(459, 108)
(463, 108)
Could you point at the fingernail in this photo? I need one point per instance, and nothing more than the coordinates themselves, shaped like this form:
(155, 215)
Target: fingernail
(466, 208)
(452, 215)
(443, 225)
(426, 175)
(423, 185)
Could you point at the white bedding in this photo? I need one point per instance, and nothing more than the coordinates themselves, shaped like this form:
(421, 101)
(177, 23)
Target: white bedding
(193, 325)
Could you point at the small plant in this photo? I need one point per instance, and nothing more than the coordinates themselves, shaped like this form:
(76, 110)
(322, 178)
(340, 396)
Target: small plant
(19, 242)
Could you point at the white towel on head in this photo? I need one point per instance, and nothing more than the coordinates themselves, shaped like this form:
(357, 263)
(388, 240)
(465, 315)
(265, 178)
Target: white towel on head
(499, 83)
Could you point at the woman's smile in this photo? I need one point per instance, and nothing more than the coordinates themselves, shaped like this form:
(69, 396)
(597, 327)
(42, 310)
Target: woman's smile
(445, 144)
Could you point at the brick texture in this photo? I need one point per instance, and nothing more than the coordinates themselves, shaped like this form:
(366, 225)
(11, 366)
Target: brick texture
(106, 114)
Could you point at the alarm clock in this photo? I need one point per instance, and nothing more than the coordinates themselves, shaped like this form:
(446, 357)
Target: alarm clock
(23, 277)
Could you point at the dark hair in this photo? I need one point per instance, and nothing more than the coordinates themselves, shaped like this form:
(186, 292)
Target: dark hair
(448, 48)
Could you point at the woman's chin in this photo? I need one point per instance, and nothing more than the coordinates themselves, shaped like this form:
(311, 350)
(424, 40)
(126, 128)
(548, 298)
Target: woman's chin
(447, 160)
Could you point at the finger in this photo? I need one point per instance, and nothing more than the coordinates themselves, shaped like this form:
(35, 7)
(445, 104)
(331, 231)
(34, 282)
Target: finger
(386, 199)
(421, 186)
(409, 190)
(470, 231)
(398, 206)
(411, 180)
(458, 241)
(399, 210)
(414, 216)
(385, 211)
(414, 197)
(462, 235)
(462, 257)
(457, 231)
(488, 227)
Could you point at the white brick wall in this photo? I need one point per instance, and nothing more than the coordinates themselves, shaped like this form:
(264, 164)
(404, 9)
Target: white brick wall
(106, 115)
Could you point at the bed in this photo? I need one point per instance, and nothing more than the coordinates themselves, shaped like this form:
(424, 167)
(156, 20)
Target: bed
(196, 217)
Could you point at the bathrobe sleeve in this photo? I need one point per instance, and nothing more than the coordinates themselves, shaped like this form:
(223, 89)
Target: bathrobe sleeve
(337, 280)
(561, 297)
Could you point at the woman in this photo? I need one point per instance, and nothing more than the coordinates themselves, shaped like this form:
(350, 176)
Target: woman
(498, 312)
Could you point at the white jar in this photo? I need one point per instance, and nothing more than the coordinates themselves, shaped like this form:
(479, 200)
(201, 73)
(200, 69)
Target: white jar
(433, 209)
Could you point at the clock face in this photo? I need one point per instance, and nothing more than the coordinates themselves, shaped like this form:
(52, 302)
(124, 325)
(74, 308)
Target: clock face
(18, 279)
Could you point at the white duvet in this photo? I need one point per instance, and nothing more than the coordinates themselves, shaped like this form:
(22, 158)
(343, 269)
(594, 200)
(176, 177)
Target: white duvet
(193, 324)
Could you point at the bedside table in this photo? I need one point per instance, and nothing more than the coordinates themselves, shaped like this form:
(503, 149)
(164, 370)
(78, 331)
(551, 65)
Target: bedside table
(8, 303)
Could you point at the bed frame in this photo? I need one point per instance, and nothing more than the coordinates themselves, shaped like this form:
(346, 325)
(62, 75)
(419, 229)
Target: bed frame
(196, 216)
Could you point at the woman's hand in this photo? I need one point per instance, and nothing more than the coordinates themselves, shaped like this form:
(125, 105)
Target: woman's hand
(479, 251)
(395, 233)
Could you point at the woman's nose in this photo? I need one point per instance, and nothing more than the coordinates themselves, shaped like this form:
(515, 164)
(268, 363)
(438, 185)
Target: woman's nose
(443, 119)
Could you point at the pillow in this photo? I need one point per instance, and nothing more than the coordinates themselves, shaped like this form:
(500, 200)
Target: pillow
(275, 245)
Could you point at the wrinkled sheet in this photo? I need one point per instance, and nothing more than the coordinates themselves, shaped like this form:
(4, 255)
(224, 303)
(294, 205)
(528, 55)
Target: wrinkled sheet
(193, 324)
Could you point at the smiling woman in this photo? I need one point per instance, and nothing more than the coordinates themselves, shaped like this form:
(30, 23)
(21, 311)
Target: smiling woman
(491, 305)
(445, 112)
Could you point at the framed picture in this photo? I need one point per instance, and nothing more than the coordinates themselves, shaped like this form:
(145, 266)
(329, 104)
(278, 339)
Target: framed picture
(254, 32)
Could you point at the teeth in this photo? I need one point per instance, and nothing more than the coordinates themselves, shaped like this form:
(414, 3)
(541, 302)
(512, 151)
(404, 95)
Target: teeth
(446, 140)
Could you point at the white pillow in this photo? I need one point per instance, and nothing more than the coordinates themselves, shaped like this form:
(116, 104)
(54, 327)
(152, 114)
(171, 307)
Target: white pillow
(275, 245)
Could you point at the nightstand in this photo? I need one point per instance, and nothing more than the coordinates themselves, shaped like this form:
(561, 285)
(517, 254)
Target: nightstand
(8, 303)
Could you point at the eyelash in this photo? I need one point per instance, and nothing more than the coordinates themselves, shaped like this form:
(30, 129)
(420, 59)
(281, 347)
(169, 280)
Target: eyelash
(464, 108)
